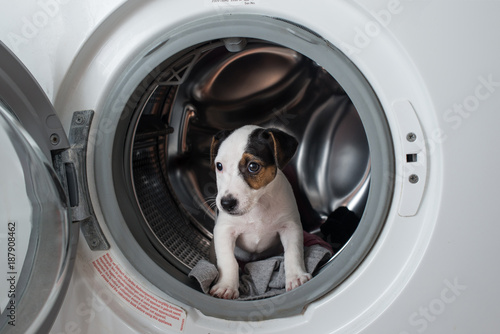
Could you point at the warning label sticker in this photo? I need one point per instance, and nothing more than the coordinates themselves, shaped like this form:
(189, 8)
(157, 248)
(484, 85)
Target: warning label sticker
(136, 296)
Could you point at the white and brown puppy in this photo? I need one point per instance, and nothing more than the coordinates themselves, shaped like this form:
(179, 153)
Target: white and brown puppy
(258, 215)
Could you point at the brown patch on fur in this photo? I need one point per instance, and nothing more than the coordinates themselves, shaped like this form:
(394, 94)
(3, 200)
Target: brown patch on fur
(280, 156)
(266, 174)
(277, 150)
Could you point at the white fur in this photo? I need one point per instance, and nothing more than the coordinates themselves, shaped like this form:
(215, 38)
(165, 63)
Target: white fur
(266, 219)
(230, 180)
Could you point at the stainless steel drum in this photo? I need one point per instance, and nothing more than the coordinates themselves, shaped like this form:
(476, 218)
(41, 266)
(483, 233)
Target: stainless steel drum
(226, 84)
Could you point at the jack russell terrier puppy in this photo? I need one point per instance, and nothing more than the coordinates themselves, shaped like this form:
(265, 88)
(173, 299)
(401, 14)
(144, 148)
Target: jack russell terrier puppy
(257, 213)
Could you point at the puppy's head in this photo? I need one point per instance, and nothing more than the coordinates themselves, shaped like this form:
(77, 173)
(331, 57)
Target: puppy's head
(245, 162)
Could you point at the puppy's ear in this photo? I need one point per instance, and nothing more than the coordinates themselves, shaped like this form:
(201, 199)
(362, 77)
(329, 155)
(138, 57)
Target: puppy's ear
(216, 141)
(283, 145)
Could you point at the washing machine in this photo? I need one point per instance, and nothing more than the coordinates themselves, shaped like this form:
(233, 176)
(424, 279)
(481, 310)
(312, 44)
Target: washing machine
(107, 112)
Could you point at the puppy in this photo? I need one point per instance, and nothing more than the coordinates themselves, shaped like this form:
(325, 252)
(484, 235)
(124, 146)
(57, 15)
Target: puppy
(257, 213)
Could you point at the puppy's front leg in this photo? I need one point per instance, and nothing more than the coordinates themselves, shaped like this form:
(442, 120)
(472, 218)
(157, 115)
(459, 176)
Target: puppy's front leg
(295, 271)
(228, 282)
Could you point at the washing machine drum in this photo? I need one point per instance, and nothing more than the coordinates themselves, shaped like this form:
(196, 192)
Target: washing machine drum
(266, 85)
(166, 187)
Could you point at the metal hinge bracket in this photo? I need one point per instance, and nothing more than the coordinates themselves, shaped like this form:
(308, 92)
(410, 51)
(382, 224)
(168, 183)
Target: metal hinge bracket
(70, 165)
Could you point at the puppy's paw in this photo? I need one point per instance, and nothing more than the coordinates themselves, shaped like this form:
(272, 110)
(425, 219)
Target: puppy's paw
(224, 291)
(297, 280)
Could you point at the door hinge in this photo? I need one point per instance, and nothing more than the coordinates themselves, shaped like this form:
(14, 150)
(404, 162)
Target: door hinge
(71, 167)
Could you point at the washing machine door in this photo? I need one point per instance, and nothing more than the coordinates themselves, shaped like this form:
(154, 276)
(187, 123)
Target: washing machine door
(37, 238)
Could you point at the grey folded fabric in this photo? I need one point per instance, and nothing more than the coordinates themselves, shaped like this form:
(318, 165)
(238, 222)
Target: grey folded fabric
(260, 279)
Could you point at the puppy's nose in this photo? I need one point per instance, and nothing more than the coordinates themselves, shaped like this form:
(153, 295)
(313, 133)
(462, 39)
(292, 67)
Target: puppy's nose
(229, 203)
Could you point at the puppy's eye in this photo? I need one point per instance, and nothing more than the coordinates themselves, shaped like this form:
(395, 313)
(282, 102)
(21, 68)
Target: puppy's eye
(219, 166)
(253, 167)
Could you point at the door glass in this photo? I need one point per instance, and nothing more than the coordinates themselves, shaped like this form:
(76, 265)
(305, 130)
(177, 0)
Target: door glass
(30, 205)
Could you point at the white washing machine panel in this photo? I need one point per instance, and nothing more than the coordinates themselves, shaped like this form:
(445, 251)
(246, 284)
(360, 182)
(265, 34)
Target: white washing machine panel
(433, 69)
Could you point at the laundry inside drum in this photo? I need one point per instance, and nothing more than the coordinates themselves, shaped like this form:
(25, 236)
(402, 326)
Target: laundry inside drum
(217, 86)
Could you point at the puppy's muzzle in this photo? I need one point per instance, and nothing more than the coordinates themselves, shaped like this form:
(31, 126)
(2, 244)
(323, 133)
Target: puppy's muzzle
(229, 204)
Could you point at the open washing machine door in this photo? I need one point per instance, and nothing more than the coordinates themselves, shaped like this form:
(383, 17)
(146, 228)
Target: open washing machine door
(37, 237)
